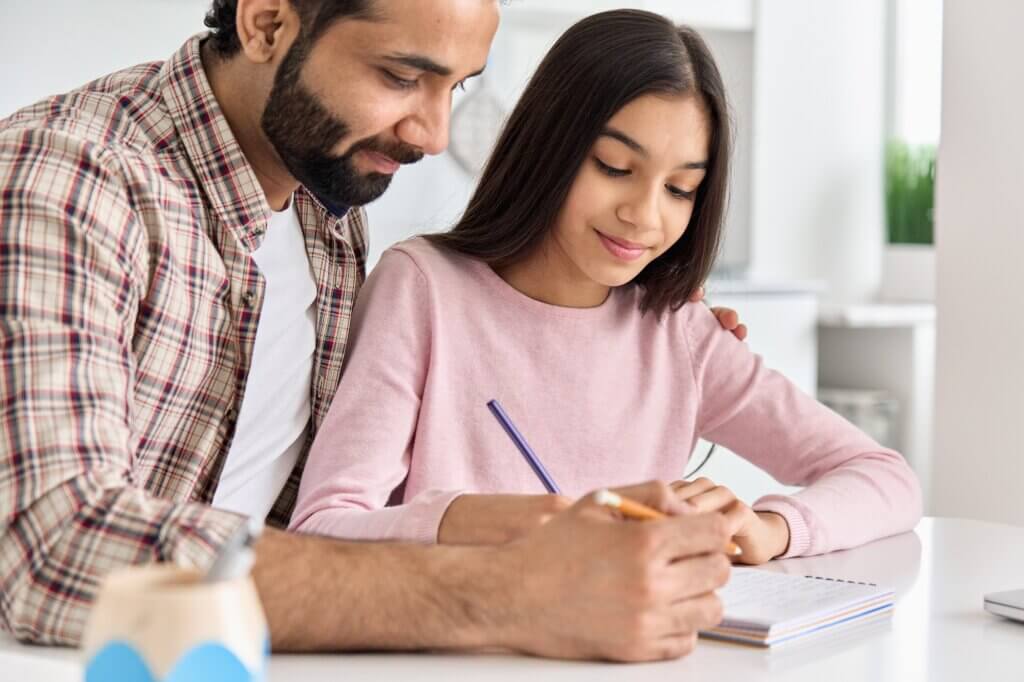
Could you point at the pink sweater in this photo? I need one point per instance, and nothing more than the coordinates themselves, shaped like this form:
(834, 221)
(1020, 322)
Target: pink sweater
(605, 396)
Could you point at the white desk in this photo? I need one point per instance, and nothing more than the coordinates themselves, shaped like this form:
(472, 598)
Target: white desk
(938, 630)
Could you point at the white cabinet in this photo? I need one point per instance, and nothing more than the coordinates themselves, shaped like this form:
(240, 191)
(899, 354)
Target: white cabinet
(888, 347)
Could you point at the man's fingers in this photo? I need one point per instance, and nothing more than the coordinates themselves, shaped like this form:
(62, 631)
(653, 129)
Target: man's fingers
(657, 495)
(727, 317)
(675, 646)
(697, 613)
(694, 576)
(683, 537)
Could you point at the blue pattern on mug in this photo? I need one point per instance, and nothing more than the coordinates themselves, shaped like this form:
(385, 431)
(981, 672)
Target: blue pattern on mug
(208, 662)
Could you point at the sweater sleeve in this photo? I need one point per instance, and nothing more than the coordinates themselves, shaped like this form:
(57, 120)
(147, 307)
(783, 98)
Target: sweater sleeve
(855, 490)
(362, 451)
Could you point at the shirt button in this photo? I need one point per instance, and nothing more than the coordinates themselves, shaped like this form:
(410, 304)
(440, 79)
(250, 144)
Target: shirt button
(248, 299)
(258, 231)
(232, 415)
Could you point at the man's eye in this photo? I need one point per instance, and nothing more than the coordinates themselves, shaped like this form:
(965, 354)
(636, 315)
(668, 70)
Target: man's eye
(610, 170)
(399, 82)
(461, 85)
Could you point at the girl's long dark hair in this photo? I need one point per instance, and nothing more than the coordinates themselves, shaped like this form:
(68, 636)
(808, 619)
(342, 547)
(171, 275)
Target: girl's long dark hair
(594, 69)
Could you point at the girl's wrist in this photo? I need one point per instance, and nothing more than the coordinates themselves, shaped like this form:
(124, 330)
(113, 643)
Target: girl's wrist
(779, 532)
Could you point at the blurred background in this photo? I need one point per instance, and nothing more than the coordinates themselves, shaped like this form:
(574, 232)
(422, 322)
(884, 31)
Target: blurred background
(841, 110)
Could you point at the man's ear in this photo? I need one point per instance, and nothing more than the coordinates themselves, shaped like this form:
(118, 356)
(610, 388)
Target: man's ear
(266, 28)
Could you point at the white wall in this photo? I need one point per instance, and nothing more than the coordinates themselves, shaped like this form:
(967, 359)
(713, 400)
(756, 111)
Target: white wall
(818, 140)
(979, 464)
(50, 46)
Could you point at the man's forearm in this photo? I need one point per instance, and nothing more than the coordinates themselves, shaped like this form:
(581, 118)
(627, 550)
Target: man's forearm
(326, 595)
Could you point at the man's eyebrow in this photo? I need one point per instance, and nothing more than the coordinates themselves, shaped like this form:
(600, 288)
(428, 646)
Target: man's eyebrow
(639, 148)
(422, 63)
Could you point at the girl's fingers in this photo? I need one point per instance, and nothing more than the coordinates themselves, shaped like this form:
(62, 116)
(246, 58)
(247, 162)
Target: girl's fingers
(686, 489)
(737, 516)
(715, 499)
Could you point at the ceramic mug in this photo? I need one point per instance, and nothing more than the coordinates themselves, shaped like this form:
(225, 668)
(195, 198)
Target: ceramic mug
(161, 623)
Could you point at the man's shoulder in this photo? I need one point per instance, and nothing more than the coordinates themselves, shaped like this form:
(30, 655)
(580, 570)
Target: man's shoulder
(120, 116)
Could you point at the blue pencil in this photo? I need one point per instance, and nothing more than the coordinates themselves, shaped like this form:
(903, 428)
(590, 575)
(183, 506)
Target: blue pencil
(523, 447)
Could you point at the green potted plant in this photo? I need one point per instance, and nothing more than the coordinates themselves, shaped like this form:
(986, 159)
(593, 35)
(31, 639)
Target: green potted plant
(909, 268)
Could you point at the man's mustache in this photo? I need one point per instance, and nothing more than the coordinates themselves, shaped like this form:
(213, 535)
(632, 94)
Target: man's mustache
(402, 153)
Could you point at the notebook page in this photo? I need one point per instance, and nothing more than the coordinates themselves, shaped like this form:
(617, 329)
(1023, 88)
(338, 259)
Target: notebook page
(760, 599)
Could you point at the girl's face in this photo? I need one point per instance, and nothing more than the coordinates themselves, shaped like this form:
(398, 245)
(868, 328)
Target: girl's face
(631, 200)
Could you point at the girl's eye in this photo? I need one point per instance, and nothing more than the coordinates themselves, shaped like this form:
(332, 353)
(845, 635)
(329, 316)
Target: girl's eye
(461, 85)
(611, 171)
(401, 83)
(679, 193)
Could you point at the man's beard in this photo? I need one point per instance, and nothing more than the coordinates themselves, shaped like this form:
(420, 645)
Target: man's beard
(302, 132)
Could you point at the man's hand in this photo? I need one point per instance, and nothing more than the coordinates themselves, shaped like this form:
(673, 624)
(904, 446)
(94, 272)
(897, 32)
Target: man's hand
(593, 585)
(496, 519)
(761, 535)
(586, 584)
(727, 317)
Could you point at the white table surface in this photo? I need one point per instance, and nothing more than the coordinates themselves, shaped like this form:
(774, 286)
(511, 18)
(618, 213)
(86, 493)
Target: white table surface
(938, 630)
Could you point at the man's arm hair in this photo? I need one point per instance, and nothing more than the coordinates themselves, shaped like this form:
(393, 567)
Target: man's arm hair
(322, 594)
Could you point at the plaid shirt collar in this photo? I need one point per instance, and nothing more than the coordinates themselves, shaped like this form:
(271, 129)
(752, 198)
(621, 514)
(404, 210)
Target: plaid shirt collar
(229, 182)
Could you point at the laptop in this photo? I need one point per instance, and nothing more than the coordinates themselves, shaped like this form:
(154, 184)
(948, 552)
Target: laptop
(1008, 604)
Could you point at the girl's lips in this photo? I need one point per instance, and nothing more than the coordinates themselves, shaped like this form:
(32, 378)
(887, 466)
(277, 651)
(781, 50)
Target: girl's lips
(623, 250)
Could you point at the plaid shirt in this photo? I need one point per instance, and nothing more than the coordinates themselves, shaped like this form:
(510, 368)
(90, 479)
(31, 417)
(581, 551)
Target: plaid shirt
(128, 311)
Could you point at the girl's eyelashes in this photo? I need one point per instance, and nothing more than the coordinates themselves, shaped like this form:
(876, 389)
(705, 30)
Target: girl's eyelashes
(679, 193)
(610, 170)
(614, 172)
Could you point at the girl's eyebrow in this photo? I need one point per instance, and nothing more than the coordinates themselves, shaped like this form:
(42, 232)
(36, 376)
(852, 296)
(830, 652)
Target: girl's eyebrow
(625, 139)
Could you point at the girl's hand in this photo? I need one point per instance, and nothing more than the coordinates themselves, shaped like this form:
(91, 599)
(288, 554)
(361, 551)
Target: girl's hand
(496, 519)
(761, 535)
(727, 317)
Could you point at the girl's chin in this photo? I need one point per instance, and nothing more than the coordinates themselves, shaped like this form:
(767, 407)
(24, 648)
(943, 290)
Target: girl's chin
(616, 279)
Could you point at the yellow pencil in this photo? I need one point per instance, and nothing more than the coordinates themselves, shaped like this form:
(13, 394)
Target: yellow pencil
(635, 510)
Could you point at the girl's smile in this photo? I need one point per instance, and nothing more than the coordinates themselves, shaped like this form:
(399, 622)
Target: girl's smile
(621, 248)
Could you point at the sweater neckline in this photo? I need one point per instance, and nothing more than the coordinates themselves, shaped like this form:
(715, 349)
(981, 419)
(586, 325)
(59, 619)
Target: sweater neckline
(509, 294)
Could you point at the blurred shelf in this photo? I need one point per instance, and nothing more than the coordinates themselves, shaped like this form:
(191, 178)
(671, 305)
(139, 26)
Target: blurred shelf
(740, 286)
(723, 15)
(875, 315)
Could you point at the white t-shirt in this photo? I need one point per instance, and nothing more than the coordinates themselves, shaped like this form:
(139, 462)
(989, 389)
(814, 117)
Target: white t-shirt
(274, 418)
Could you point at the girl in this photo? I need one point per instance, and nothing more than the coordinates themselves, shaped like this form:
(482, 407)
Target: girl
(562, 292)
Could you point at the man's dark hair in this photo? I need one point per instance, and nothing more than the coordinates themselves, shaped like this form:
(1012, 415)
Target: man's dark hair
(316, 15)
(597, 67)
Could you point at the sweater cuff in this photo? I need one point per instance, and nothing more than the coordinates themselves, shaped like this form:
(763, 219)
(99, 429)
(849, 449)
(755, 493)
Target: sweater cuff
(799, 535)
(431, 506)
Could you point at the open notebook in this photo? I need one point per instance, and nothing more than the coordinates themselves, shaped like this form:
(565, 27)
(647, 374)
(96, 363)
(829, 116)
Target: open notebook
(765, 609)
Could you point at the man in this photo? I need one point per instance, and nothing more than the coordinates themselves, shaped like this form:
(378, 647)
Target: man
(143, 342)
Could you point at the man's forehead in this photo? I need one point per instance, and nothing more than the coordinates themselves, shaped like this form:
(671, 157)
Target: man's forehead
(454, 34)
